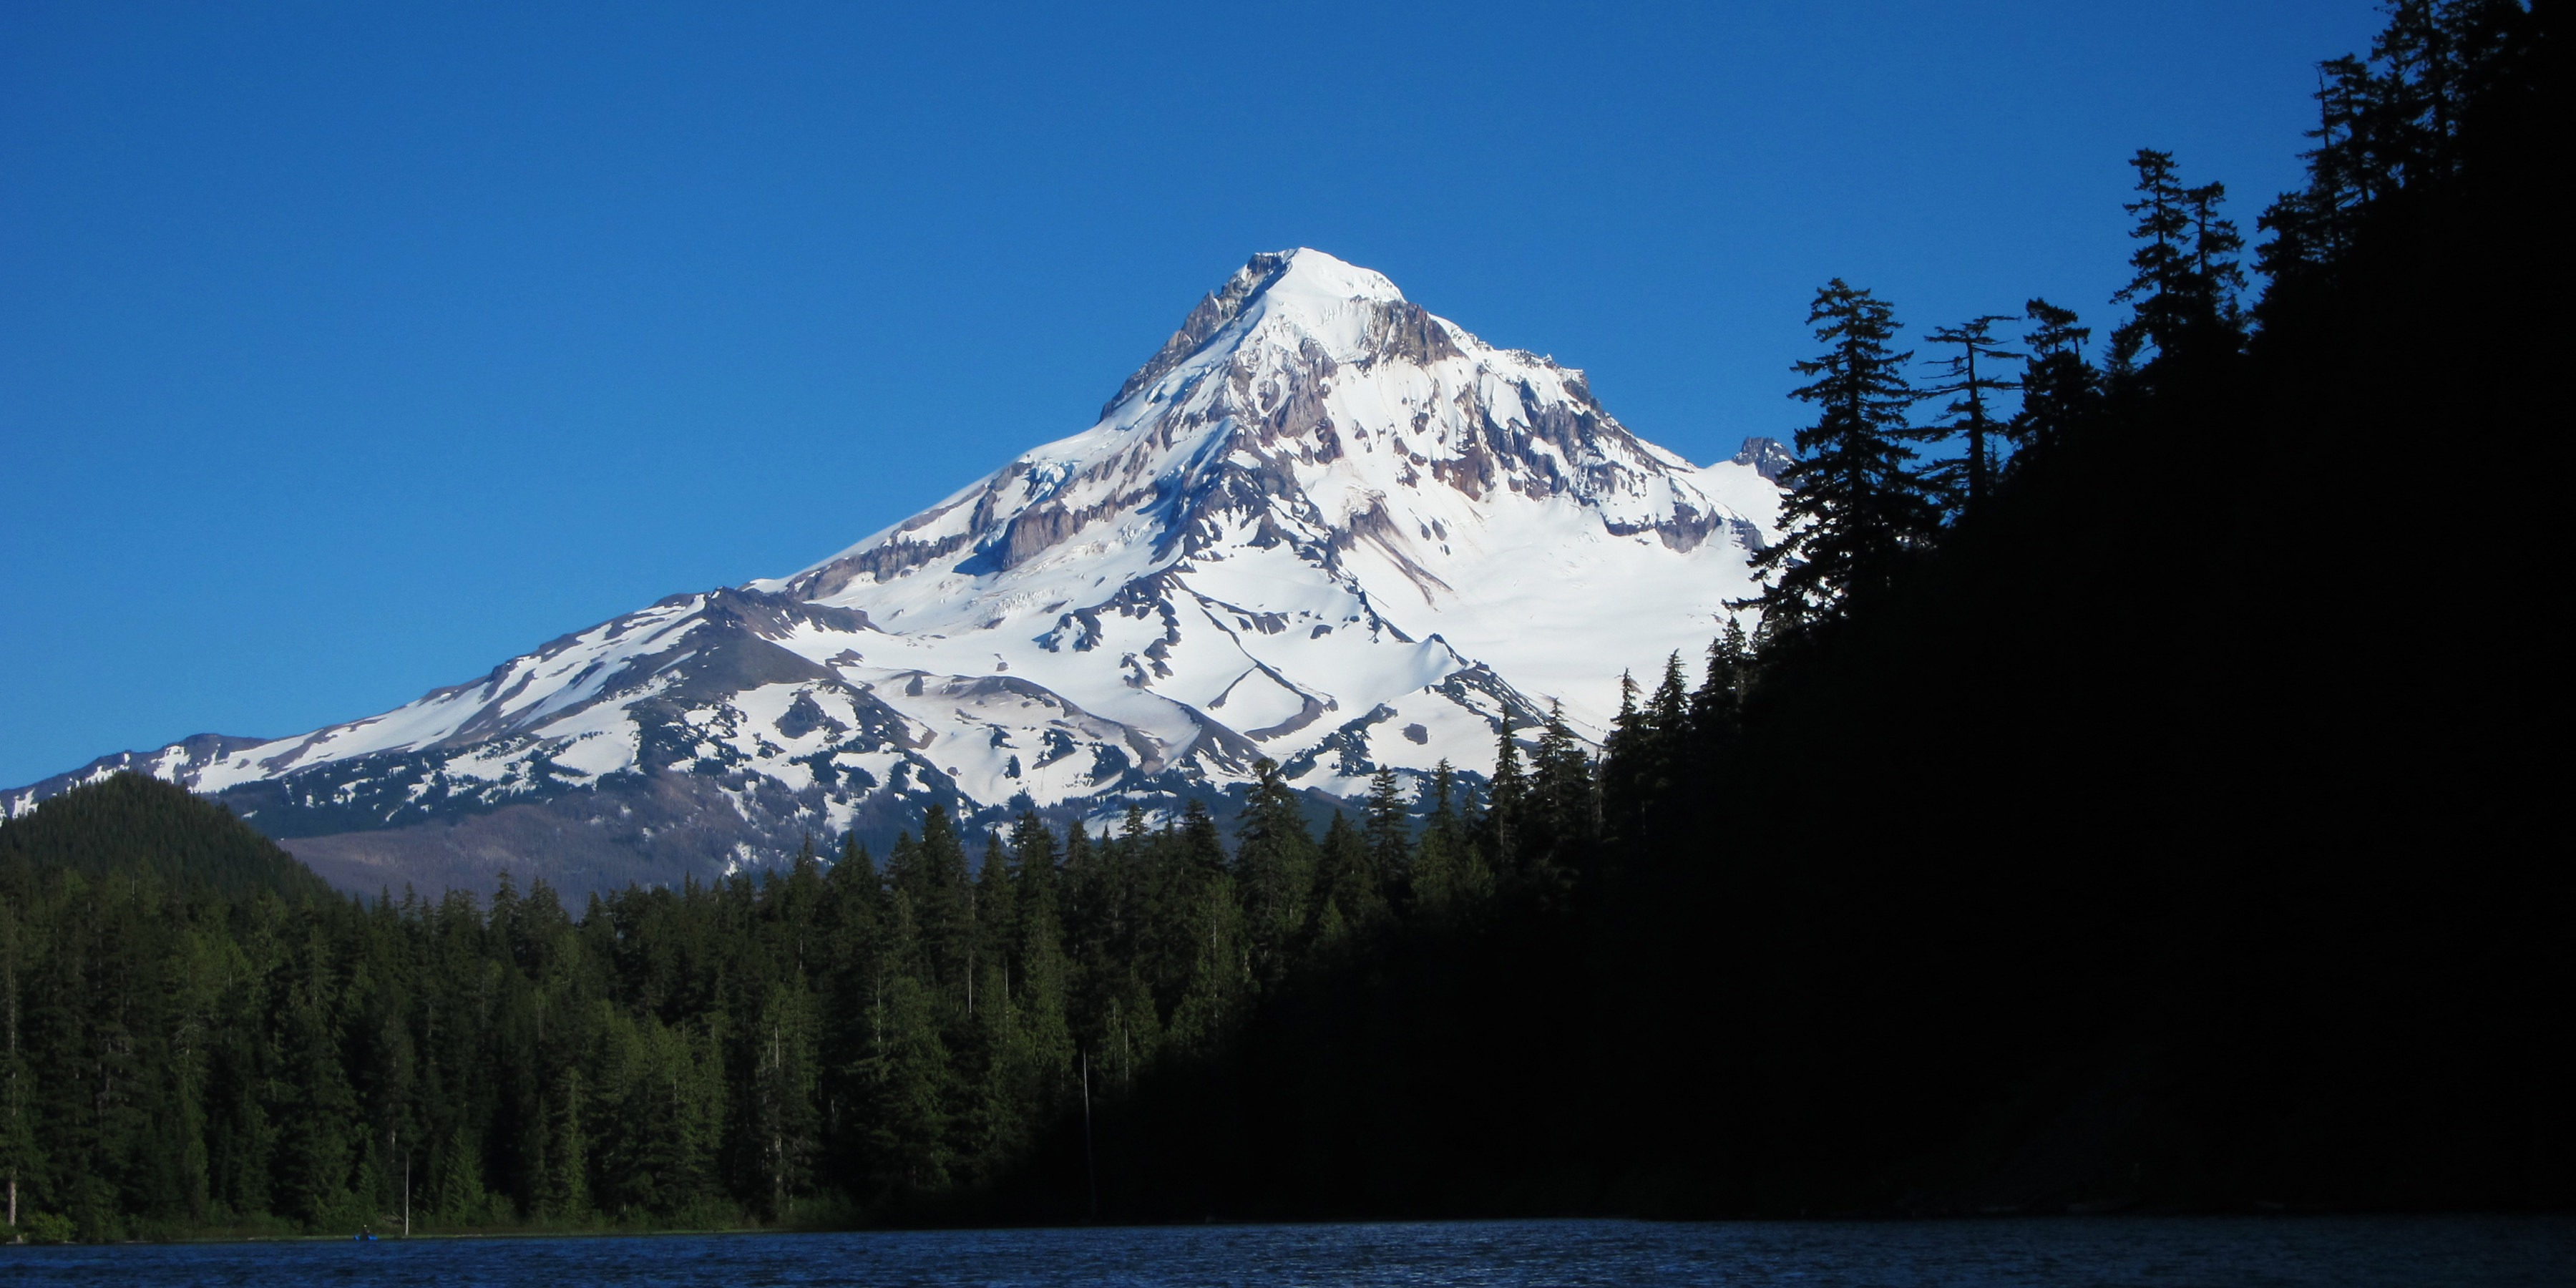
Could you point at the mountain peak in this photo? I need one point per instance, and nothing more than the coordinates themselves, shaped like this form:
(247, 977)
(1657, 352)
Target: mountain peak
(1305, 284)
(1319, 525)
(1309, 273)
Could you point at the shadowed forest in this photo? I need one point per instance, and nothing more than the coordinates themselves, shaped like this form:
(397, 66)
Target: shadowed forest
(2131, 798)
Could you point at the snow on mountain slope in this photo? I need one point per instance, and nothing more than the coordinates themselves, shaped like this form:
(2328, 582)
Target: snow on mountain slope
(1321, 525)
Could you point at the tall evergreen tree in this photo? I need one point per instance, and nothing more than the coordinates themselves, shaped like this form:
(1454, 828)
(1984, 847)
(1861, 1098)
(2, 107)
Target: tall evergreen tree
(2312, 227)
(2060, 390)
(1045, 1054)
(1854, 503)
(1275, 868)
(1971, 388)
(1717, 707)
(1387, 826)
(1349, 903)
(1563, 818)
(2159, 290)
(2183, 289)
(905, 1073)
(2216, 278)
(1506, 808)
(1207, 926)
(1449, 871)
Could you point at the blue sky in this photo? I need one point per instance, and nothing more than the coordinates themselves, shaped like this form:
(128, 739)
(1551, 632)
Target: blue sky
(346, 350)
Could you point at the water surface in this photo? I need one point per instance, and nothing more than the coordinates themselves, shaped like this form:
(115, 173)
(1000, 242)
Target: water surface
(2153, 1252)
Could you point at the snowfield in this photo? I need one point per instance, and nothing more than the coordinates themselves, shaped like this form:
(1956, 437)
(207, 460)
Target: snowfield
(1321, 526)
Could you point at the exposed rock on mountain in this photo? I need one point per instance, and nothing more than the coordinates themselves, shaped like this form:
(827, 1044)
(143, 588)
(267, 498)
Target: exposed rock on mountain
(1321, 525)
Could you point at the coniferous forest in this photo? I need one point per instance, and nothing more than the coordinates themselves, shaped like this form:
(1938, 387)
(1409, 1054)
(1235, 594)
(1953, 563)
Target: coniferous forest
(2135, 795)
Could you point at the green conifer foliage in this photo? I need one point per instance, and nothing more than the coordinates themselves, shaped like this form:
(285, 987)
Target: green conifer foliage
(1214, 961)
(1563, 817)
(1624, 766)
(1449, 870)
(1506, 806)
(1274, 866)
(1348, 901)
(905, 1074)
(1044, 1054)
(1387, 828)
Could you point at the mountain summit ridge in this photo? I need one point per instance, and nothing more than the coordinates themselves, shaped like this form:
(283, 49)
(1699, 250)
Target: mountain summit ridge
(1320, 524)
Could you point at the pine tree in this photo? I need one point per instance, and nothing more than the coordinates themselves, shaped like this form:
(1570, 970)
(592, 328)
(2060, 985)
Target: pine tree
(2060, 390)
(2183, 292)
(1971, 391)
(2159, 290)
(2313, 227)
(781, 1095)
(1349, 904)
(1854, 504)
(941, 900)
(996, 922)
(1449, 872)
(1717, 708)
(1275, 869)
(905, 1071)
(2216, 279)
(1623, 767)
(1506, 805)
(1045, 1054)
(1217, 972)
(1388, 829)
(1664, 756)
(1564, 812)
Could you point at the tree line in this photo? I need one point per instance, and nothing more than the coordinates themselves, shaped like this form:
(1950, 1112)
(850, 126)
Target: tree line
(226, 1044)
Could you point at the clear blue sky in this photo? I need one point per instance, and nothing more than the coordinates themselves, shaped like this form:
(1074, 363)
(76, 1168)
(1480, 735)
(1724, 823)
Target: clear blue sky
(349, 349)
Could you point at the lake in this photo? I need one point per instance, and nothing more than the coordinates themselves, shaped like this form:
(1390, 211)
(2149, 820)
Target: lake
(2162, 1252)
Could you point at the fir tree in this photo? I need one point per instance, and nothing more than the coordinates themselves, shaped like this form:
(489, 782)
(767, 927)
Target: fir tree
(1388, 829)
(1854, 504)
(1564, 812)
(1045, 1052)
(905, 1071)
(2183, 290)
(1215, 972)
(1970, 414)
(996, 920)
(2216, 279)
(2060, 389)
(1349, 903)
(1275, 869)
(1506, 807)
(1449, 871)
(1717, 708)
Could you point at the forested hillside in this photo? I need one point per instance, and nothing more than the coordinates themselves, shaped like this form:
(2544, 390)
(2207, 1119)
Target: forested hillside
(2157, 815)
(2133, 803)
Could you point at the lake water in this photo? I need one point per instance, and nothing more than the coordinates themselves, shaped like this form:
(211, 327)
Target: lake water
(2329, 1252)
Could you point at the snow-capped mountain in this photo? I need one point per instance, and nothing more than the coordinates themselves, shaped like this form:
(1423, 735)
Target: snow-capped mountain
(1321, 525)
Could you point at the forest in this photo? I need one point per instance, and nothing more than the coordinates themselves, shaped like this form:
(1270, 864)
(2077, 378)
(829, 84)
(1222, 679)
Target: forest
(2133, 796)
